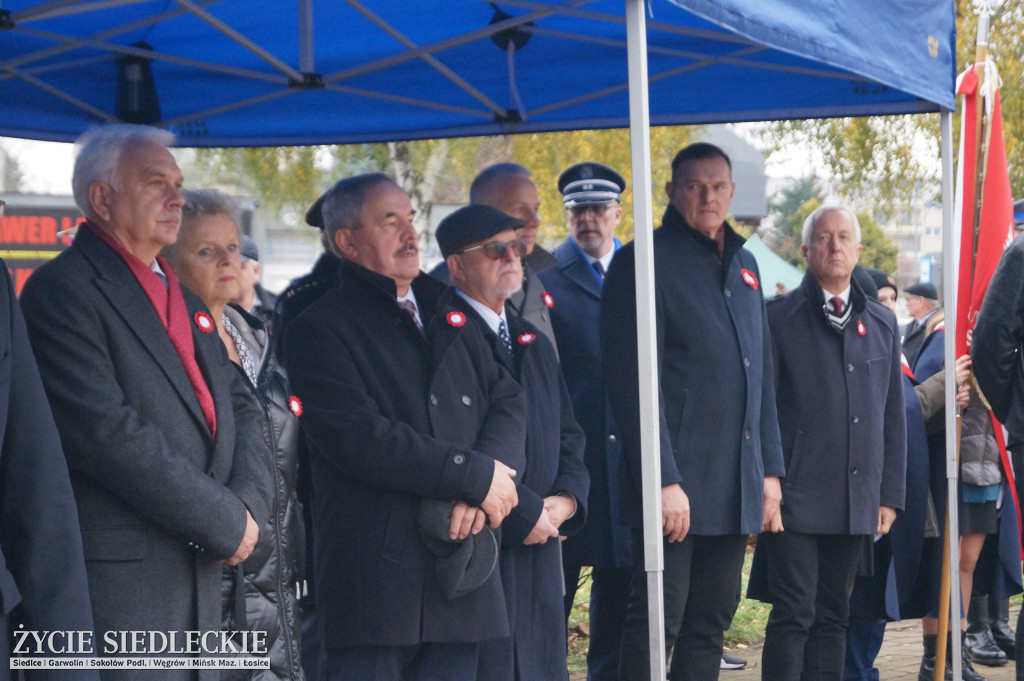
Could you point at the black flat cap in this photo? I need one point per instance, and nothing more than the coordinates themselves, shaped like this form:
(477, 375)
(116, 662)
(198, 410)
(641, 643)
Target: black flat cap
(470, 224)
(590, 182)
(881, 279)
(463, 565)
(315, 214)
(924, 289)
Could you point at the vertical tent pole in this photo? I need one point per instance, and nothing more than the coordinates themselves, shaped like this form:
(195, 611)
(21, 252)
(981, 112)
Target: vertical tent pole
(640, 142)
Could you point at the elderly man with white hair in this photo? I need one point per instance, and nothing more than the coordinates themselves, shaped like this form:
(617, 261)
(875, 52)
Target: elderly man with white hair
(839, 394)
(164, 442)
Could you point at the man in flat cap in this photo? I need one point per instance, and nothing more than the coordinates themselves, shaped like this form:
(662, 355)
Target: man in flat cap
(402, 402)
(252, 297)
(590, 192)
(508, 187)
(923, 306)
(721, 456)
(483, 251)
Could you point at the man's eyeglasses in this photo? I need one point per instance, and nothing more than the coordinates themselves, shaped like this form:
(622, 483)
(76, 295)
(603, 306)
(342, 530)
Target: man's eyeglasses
(495, 250)
(595, 208)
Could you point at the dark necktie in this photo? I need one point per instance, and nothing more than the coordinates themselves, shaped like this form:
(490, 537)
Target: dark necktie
(837, 305)
(410, 308)
(599, 269)
(506, 340)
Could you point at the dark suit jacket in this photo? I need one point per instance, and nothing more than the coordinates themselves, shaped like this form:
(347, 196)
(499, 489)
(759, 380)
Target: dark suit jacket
(719, 431)
(160, 502)
(575, 288)
(532, 575)
(841, 412)
(43, 585)
(393, 417)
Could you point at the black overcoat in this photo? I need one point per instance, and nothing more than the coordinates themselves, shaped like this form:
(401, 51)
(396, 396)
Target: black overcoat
(532, 575)
(393, 417)
(575, 290)
(719, 432)
(841, 412)
(43, 585)
(160, 501)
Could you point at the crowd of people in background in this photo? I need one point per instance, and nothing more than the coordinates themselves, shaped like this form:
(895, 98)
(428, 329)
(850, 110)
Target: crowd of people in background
(399, 475)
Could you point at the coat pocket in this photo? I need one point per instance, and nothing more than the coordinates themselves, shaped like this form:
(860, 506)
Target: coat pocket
(793, 463)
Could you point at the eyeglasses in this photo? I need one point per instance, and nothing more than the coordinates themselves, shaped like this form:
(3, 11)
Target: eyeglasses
(595, 208)
(495, 250)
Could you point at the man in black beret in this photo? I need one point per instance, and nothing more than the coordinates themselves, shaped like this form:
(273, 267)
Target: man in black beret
(923, 306)
(591, 193)
(483, 251)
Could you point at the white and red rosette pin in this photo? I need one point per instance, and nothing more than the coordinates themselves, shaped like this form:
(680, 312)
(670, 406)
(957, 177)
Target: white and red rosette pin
(749, 278)
(204, 322)
(548, 299)
(860, 328)
(295, 404)
(456, 318)
(526, 338)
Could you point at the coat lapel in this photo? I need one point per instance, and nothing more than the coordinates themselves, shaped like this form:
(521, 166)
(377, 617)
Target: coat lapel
(576, 268)
(126, 297)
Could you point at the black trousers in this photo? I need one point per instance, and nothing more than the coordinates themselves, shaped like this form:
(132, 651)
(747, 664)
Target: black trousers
(609, 596)
(810, 577)
(700, 580)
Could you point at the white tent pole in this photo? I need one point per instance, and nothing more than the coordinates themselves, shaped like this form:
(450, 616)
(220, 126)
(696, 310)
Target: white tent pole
(640, 142)
(950, 269)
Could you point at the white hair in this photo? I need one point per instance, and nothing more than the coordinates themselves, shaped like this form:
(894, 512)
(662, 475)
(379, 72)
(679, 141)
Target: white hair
(99, 156)
(813, 218)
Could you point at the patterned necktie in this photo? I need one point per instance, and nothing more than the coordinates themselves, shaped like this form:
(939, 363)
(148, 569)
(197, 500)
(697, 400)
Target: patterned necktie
(599, 269)
(837, 305)
(506, 340)
(410, 308)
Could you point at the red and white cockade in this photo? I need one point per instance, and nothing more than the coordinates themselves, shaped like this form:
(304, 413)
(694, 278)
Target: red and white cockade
(527, 338)
(548, 299)
(456, 318)
(295, 404)
(204, 322)
(749, 278)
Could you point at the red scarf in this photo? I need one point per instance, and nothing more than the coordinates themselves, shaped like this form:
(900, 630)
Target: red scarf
(170, 308)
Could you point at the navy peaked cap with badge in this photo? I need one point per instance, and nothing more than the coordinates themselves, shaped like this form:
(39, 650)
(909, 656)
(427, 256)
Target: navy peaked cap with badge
(470, 224)
(589, 182)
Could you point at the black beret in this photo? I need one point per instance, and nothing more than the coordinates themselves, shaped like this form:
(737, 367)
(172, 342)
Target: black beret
(881, 279)
(924, 289)
(590, 182)
(470, 224)
(315, 214)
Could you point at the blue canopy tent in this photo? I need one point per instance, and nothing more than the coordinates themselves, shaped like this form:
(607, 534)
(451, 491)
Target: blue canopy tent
(245, 72)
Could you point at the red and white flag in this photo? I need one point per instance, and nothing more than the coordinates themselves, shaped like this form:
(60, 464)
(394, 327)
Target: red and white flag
(995, 225)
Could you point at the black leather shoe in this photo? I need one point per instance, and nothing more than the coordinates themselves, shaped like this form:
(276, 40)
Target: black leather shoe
(981, 648)
(968, 673)
(1003, 635)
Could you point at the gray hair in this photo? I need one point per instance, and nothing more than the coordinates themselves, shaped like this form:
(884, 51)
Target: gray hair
(813, 218)
(490, 181)
(343, 203)
(201, 203)
(99, 157)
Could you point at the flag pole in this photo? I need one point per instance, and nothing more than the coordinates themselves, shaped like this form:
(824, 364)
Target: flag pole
(949, 592)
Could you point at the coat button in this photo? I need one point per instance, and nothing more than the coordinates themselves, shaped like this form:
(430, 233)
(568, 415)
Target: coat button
(746, 361)
(849, 367)
(855, 419)
(728, 292)
(746, 433)
(611, 438)
(433, 400)
(466, 401)
(459, 459)
(853, 471)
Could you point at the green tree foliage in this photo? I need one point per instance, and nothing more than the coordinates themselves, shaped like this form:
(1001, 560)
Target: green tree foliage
(887, 162)
(787, 213)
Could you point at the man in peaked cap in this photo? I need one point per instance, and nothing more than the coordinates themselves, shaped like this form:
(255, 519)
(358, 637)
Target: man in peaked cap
(483, 250)
(591, 192)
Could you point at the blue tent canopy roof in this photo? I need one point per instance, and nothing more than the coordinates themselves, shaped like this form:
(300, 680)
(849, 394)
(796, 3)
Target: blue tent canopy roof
(242, 72)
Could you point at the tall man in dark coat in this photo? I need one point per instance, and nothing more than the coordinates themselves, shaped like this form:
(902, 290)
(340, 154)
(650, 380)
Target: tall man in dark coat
(401, 402)
(721, 458)
(508, 187)
(841, 417)
(483, 252)
(164, 442)
(591, 196)
(43, 584)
